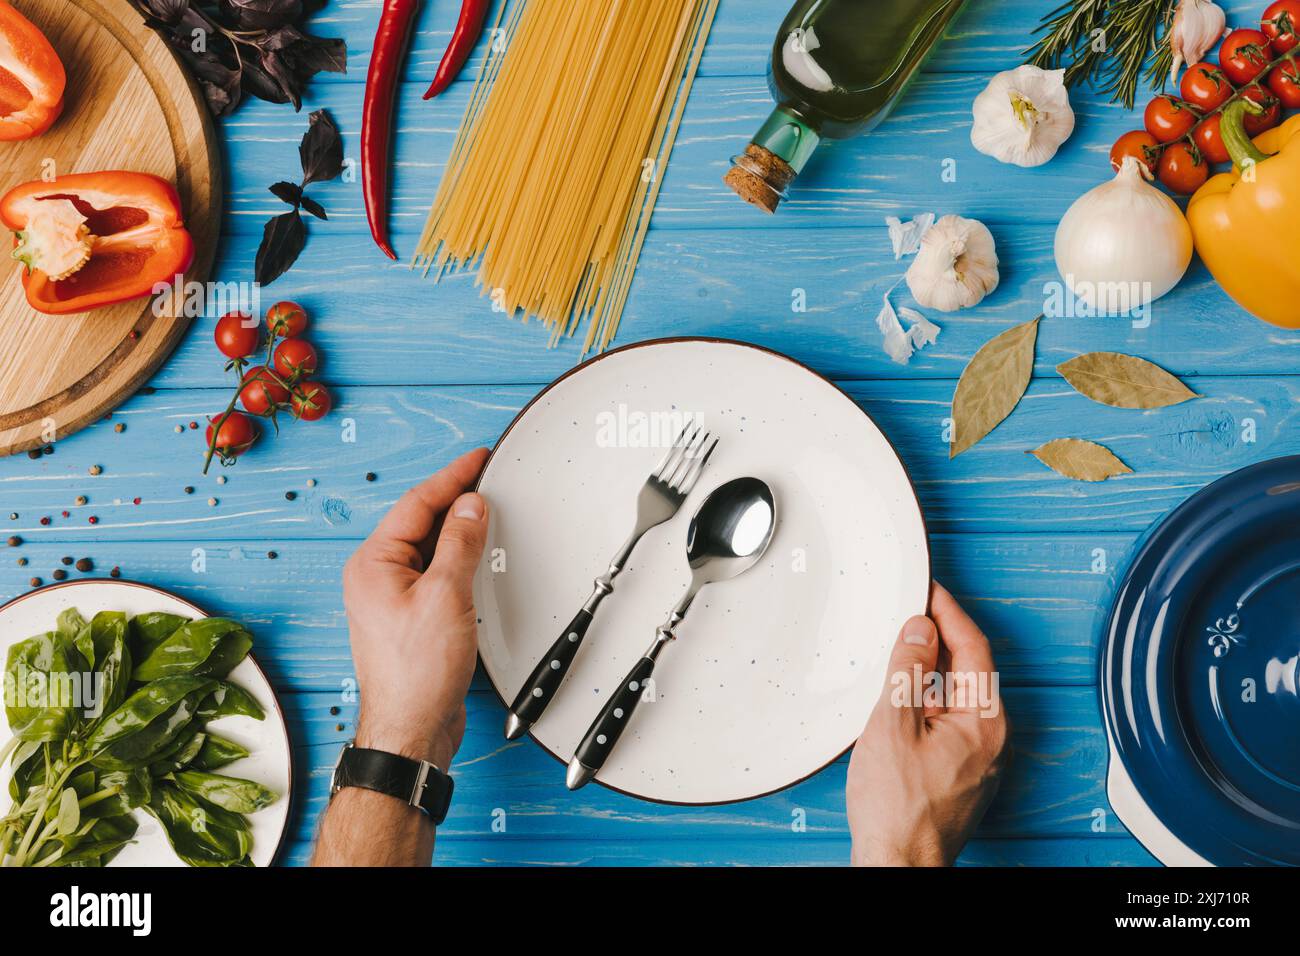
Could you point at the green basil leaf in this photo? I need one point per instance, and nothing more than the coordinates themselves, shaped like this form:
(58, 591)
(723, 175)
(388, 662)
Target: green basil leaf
(230, 700)
(144, 707)
(180, 753)
(44, 692)
(218, 752)
(69, 817)
(233, 649)
(150, 630)
(229, 793)
(144, 746)
(70, 623)
(189, 648)
(134, 789)
(104, 841)
(201, 834)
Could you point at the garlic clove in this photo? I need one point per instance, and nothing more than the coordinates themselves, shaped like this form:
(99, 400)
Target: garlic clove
(1197, 26)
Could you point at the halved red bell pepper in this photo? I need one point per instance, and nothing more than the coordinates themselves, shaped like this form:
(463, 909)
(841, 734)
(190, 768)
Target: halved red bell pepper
(94, 239)
(31, 78)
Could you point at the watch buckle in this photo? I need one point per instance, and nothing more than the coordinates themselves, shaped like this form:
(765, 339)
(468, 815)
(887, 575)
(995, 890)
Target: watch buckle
(421, 781)
(334, 775)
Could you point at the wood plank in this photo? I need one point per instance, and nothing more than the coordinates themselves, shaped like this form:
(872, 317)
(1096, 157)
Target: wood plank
(1042, 599)
(504, 850)
(377, 323)
(990, 35)
(1053, 787)
(896, 170)
(402, 435)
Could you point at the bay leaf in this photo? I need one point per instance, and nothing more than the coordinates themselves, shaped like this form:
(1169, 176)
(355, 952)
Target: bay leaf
(1081, 460)
(1124, 381)
(992, 385)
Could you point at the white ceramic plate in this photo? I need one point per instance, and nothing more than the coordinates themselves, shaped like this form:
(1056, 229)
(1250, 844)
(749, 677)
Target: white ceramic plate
(774, 673)
(266, 740)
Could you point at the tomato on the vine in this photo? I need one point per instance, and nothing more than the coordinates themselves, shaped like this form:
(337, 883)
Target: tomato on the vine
(236, 335)
(1281, 24)
(261, 391)
(1284, 82)
(1183, 169)
(311, 401)
(1244, 55)
(286, 319)
(295, 358)
(1168, 118)
(235, 436)
(1139, 144)
(1266, 120)
(1205, 86)
(1209, 139)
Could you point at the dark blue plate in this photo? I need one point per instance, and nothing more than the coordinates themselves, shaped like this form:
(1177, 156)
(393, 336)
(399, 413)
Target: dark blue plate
(1199, 669)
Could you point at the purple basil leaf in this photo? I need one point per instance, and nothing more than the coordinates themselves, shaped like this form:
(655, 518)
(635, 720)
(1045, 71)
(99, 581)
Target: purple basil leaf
(289, 192)
(321, 150)
(312, 55)
(276, 67)
(282, 242)
(167, 11)
(261, 14)
(313, 207)
(257, 83)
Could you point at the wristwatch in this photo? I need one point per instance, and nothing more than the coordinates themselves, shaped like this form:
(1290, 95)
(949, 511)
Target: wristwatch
(415, 782)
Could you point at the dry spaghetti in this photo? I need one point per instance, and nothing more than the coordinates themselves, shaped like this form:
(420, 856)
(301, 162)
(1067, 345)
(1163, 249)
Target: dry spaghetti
(555, 173)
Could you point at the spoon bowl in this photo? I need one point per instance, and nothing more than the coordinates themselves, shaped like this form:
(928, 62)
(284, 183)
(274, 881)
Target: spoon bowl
(731, 530)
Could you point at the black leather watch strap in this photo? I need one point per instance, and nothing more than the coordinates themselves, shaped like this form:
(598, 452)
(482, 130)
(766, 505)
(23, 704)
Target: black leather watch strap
(415, 782)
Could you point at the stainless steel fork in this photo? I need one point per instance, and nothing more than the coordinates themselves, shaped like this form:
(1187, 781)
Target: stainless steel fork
(659, 498)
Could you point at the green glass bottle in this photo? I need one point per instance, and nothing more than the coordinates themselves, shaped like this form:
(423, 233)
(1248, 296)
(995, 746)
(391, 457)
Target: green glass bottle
(837, 68)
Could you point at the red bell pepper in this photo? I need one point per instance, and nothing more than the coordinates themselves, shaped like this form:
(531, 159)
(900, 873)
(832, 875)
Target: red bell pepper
(31, 78)
(95, 239)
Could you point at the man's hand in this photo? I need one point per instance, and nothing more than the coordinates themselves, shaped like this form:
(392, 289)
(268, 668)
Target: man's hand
(921, 777)
(409, 596)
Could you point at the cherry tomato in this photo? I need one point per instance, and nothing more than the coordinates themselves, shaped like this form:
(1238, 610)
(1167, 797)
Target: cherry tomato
(1205, 86)
(236, 335)
(1183, 169)
(1139, 144)
(1209, 140)
(236, 435)
(295, 357)
(1284, 82)
(1280, 24)
(311, 401)
(286, 319)
(1244, 55)
(1271, 116)
(260, 394)
(1168, 119)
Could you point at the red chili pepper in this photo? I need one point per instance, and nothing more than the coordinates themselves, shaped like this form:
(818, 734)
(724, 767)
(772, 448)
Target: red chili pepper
(377, 114)
(473, 13)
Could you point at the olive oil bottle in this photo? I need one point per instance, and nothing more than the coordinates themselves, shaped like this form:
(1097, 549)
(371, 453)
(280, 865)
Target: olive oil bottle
(838, 66)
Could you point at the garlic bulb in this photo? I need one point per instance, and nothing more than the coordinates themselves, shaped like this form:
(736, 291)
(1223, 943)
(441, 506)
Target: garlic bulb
(1197, 26)
(1023, 116)
(956, 267)
(1123, 244)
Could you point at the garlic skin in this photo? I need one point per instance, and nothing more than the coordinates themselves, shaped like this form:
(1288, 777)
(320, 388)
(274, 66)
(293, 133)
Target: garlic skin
(1197, 26)
(956, 267)
(1023, 116)
(1123, 244)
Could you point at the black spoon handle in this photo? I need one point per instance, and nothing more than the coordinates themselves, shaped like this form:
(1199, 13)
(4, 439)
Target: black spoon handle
(609, 725)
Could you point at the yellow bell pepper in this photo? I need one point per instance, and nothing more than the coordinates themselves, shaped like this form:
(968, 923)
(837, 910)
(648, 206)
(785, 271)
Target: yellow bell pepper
(1246, 223)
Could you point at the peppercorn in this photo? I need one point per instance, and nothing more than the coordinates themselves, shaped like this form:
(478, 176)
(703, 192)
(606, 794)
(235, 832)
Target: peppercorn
(212, 502)
(115, 573)
(119, 427)
(370, 476)
(14, 541)
(311, 482)
(135, 501)
(49, 449)
(35, 582)
(45, 520)
(272, 555)
(66, 559)
(178, 429)
(334, 711)
(33, 455)
(13, 516)
(194, 426)
(85, 564)
(188, 489)
(96, 470)
(290, 495)
(81, 499)
(93, 520)
(22, 562)
(59, 574)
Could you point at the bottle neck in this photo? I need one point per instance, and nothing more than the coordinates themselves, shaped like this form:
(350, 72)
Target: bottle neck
(788, 136)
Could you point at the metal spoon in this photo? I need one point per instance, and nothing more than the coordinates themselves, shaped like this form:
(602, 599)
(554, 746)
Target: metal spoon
(727, 537)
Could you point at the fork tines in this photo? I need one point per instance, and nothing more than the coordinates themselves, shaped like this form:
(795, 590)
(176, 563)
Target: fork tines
(685, 460)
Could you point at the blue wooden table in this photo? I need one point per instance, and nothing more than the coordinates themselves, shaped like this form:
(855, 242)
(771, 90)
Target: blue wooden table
(425, 372)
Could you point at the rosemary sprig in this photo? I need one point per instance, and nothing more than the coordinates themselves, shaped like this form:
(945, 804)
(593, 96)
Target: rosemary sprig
(1109, 43)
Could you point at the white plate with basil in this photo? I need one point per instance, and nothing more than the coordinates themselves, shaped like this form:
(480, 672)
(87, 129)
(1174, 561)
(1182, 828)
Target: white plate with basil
(164, 740)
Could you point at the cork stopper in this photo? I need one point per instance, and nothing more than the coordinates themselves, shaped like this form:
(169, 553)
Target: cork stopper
(760, 177)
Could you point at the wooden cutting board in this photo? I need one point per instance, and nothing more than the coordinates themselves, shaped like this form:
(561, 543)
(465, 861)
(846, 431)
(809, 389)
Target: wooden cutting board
(129, 106)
